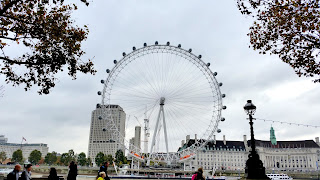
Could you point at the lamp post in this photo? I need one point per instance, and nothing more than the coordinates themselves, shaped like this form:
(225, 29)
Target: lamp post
(254, 167)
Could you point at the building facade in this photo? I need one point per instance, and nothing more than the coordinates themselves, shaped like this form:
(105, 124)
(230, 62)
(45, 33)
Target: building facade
(218, 154)
(301, 155)
(289, 155)
(9, 148)
(137, 137)
(135, 142)
(104, 141)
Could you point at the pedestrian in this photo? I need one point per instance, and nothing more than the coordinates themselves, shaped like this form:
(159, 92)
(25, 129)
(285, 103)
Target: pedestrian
(53, 174)
(101, 176)
(73, 171)
(198, 175)
(26, 174)
(14, 175)
(104, 168)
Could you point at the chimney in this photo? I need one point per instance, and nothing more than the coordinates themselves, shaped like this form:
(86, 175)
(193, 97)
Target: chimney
(195, 138)
(317, 141)
(214, 139)
(224, 140)
(187, 138)
(182, 143)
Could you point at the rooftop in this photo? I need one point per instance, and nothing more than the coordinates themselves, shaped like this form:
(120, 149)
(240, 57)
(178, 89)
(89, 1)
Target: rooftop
(287, 144)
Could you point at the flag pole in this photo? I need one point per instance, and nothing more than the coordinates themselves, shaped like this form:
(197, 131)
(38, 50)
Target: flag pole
(21, 143)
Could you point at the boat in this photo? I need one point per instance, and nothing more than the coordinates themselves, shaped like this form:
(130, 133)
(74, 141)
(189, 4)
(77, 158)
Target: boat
(279, 177)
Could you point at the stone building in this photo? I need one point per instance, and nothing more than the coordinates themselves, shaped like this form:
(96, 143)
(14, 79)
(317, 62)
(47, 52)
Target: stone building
(104, 141)
(9, 148)
(302, 155)
(218, 154)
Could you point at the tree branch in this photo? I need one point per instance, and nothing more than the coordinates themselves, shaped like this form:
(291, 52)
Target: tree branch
(5, 8)
(9, 38)
(17, 19)
(21, 62)
(317, 44)
(16, 38)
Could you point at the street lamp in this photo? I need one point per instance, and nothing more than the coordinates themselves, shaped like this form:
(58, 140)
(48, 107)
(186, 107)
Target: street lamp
(254, 167)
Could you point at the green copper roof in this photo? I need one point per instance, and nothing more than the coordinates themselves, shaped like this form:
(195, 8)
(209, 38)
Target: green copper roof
(273, 137)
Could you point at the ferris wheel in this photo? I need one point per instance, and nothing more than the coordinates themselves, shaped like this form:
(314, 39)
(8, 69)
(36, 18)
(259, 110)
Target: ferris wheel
(172, 92)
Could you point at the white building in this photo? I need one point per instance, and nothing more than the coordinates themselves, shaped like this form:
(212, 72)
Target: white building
(289, 155)
(303, 155)
(3, 139)
(9, 148)
(102, 141)
(217, 154)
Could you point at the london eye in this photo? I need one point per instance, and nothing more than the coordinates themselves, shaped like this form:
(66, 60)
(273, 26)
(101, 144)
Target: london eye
(172, 93)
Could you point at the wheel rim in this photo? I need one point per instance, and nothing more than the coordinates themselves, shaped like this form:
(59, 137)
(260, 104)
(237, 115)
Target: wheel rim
(118, 83)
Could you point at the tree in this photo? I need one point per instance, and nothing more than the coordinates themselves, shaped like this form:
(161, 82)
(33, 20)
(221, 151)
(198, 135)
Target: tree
(100, 158)
(17, 156)
(50, 37)
(82, 160)
(41, 161)
(120, 158)
(65, 159)
(34, 156)
(89, 162)
(109, 158)
(58, 162)
(51, 158)
(289, 29)
(72, 155)
(3, 156)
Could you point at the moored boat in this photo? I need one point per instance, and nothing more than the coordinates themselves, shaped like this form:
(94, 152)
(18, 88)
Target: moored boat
(279, 177)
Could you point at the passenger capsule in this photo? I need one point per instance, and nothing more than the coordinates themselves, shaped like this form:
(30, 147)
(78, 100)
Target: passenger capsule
(98, 106)
(133, 48)
(144, 44)
(102, 81)
(99, 93)
(156, 43)
(179, 45)
(219, 130)
(200, 56)
(104, 129)
(115, 61)
(208, 64)
(223, 95)
(215, 73)
(224, 107)
(168, 43)
(220, 84)
(100, 117)
(223, 119)
(108, 70)
(123, 54)
(190, 50)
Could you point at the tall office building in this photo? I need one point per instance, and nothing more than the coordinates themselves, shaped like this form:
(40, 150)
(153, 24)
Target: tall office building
(137, 137)
(103, 141)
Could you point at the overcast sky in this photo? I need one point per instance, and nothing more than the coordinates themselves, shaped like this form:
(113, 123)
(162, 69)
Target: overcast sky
(214, 29)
